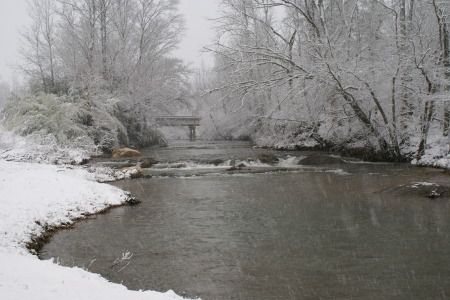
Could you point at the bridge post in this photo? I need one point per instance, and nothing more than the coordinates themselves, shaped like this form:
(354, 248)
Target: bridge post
(192, 135)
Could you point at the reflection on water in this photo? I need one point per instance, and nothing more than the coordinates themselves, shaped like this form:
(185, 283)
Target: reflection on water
(335, 232)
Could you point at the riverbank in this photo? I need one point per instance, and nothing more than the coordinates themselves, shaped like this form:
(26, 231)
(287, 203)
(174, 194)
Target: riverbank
(35, 198)
(286, 134)
(436, 156)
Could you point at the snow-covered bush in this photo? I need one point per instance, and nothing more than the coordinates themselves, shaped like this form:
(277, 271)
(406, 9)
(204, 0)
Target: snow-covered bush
(60, 129)
(102, 124)
(140, 133)
(46, 115)
(35, 148)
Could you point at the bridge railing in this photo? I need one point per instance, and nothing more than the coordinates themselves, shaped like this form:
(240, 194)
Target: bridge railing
(178, 120)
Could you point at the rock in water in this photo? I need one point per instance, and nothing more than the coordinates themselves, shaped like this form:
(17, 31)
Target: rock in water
(125, 152)
(133, 201)
(148, 163)
(433, 194)
(134, 172)
(267, 158)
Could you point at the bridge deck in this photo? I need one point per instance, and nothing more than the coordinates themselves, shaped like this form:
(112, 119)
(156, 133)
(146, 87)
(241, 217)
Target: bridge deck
(178, 121)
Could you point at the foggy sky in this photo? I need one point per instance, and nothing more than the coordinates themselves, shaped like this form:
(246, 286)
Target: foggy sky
(13, 16)
(199, 31)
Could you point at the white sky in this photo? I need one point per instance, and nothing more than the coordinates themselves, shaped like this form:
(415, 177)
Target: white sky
(13, 17)
(199, 32)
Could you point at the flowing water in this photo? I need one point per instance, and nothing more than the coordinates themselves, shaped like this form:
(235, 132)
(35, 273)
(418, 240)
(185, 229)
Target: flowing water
(328, 228)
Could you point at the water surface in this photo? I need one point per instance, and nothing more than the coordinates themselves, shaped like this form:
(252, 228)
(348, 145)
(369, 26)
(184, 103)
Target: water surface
(338, 230)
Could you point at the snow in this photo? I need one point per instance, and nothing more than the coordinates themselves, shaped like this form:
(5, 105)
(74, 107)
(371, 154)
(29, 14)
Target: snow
(437, 153)
(34, 197)
(417, 184)
(35, 148)
(23, 276)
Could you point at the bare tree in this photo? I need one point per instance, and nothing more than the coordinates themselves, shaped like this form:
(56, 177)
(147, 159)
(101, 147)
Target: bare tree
(442, 9)
(38, 44)
(360, 69)
(5, 92)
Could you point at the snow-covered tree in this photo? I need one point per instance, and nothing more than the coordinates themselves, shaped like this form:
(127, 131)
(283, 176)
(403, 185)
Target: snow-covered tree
(365, 73)
(5, 92)
(103, 49)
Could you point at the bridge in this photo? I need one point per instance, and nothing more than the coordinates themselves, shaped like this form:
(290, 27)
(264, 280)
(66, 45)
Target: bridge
(191, 121)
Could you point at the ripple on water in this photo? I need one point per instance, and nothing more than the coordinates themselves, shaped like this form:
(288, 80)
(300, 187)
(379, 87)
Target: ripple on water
(317, 231)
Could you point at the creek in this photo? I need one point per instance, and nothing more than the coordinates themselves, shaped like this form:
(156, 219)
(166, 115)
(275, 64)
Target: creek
(279, 225)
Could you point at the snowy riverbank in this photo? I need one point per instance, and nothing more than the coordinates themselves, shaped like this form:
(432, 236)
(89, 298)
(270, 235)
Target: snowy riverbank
(35, 197)
(437, 154)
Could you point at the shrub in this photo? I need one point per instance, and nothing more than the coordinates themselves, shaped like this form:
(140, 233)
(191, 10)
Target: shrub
(65, 122)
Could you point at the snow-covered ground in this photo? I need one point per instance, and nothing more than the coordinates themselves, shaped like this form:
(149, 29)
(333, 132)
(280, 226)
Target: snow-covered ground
(34, 197)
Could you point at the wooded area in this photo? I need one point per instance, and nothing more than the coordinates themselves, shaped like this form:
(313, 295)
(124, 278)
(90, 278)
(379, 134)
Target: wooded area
(359, 76)
(109, 59)
(370, 74)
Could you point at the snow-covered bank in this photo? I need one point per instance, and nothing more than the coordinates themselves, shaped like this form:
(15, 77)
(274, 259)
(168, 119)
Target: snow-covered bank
(35, 197)
(437, 154)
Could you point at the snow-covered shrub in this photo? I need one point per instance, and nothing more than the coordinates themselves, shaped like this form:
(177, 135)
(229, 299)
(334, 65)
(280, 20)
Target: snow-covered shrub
(140, 133)
(44, 115)
(35, 148)
(103, 126)
(61, 128)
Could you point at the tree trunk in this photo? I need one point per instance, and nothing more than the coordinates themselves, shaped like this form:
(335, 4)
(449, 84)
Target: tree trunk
(91, 42)
(426, 121)
(405, 72)
(103, 32)
(387, 150)
(445, 44)
(444, 41)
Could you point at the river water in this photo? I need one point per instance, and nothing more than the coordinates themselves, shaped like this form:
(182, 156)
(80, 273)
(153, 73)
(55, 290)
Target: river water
(328, 228)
